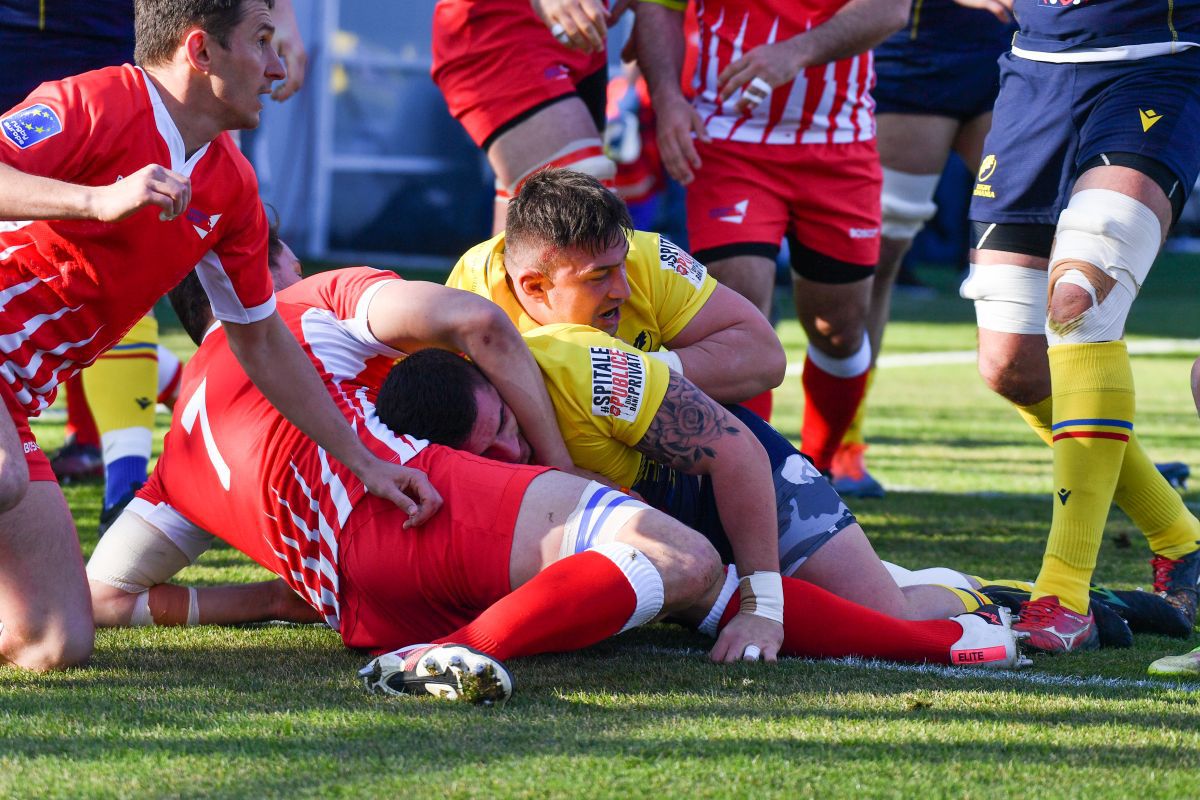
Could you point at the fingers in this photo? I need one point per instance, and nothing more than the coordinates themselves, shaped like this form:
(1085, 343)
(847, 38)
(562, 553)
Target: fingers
(429, 501)
(168, 190)
(581, 25)
(295, 60)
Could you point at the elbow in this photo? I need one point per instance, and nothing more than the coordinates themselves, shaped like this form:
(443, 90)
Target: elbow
(897, 16)
(774, 365)
(487, 327)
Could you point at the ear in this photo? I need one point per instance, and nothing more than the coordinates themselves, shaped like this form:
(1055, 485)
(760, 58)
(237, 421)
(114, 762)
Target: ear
(533, 284)
(197, 48)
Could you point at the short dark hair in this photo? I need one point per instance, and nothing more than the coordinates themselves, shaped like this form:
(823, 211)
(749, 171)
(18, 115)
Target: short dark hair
(159, 25)
(431, 395)
(563, 208)
(190, 301)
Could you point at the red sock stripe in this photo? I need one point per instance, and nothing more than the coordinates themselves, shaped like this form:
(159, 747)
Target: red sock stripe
(1120, 437)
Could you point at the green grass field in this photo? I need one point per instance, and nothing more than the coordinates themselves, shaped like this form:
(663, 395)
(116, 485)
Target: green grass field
(276, 711)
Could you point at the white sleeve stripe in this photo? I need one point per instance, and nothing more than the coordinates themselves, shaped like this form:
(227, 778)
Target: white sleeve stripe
(226, 304)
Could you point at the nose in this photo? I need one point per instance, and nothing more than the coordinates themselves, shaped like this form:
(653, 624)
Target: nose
(619, 290)
(275, 69)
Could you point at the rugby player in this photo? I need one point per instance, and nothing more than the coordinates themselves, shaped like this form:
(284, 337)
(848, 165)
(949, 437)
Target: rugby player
(1089, 162)
(779, 141)
(569, 254)
(116, 184)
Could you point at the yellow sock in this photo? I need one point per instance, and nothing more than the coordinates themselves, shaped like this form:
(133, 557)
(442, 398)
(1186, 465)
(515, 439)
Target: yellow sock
(1093, 418)
(970, 600)
(1142, 492)
(122, 386)
(854, 434)
(1024, 586)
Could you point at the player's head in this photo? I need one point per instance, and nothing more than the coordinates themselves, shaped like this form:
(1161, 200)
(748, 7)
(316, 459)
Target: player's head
(565, 242)
(227, 44)
(440, 396)
(190, 301)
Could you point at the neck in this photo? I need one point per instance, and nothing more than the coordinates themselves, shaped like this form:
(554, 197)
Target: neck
(183, 102)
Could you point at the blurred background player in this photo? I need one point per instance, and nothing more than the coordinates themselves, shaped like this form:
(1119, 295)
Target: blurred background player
(111, 405)
(780, 142)
(528, 80)
(1090, 160)
(937, 78)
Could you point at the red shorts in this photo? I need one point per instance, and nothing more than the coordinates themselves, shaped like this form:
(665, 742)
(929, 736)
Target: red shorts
(400, 587)
(494, 60)
(39, 465)
(826, 195)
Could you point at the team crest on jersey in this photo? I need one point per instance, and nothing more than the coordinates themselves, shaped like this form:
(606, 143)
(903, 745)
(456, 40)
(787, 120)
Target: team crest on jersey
(201, 222)
(27, 127)
(986, 169)
(618, 380)
(672, 257)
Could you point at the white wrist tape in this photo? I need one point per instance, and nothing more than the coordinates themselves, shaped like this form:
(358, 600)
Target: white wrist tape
(669, 358)
(762, 595)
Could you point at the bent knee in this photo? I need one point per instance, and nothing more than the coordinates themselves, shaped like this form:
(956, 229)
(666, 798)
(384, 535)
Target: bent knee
(14, 482)
(51, 651)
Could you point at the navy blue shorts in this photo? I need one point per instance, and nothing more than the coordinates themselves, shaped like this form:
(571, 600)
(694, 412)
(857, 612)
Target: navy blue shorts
(941, 83)
(1052, 119)
(809, 511)
(27, 61)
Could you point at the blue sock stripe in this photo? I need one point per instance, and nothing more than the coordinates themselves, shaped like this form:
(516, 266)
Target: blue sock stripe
(136, 346)
(121, 476)
(1112, 423)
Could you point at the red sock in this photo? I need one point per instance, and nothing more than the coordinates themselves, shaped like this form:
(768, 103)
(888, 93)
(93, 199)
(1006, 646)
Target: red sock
(571, 604)
(830, 404)
(761, 404)
(819, 624)
(80, 423)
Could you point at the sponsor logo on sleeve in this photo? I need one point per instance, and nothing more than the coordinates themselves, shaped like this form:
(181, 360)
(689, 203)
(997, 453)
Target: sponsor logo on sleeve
(31, 125)
(672, 257)
(618, 381)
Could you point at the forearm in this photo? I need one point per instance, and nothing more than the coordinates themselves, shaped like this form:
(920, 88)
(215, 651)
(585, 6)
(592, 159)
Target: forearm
(857, 27)
(660, 49)
(24, 196)
(735, 364)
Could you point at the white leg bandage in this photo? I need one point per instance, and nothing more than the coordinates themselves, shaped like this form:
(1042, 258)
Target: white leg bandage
(941, 576)
(143, 618)
(582, 155)
(709, 625)
(598, 517)
(848, 367)
(907, 202)
(146, 546)
(1119, 236)
(1008, 298)
(643, 576)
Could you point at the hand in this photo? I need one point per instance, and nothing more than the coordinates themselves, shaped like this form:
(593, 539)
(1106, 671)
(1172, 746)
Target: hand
(1000, 9)
(678, 123)
(400, 484)
(578, 24)
(748, 630)
(151, 185)
(776, 64)
(290, 47)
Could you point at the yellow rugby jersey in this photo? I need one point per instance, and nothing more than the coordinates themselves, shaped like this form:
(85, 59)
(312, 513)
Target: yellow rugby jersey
(667, 288)
(605, 395)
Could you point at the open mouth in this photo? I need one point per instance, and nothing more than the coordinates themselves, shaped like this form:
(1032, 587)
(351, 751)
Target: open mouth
(612, 315)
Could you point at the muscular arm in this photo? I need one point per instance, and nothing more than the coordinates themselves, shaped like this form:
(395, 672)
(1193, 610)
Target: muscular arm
(277, 365)
(693, 434)
(400, 316)
(729, 349)
(24, 196)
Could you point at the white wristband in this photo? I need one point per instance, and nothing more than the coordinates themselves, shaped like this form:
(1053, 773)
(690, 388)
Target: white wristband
(669, 358)
(762, 595)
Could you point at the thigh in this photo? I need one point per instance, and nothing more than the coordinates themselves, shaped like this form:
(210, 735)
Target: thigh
(44, 599)
(738, 202)
(969, 141)
(915, 143)
(536, 139)
(848, 566)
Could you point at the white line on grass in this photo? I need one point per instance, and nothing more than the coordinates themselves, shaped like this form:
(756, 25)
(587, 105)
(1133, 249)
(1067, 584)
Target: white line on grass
(961, 673)
(937, 358)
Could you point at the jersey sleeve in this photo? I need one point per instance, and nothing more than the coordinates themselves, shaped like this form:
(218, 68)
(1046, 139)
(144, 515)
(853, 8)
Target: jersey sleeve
(47, 133)
(347, 293)
(234, 273)
(678, 285)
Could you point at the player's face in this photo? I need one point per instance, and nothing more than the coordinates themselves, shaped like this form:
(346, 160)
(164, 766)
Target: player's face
(285, 269)
(495, 434)
(588, 289)
(245, 71)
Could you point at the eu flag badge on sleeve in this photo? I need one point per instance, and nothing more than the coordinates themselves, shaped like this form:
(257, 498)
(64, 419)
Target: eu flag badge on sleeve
(31, 125)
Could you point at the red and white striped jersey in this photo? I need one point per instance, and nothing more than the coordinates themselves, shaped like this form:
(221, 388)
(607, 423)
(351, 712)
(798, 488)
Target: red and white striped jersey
(826, 104)
(232, 465)
(71, 289)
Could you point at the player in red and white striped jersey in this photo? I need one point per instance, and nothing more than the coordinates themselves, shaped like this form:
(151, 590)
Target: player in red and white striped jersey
(114, 185)
(780, 142)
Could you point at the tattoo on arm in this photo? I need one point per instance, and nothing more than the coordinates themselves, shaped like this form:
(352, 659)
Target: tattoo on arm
(687, 427)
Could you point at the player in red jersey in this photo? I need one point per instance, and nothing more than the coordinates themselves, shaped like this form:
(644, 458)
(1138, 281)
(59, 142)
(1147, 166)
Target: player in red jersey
(527, 79)
(780, 141)
(117, 183)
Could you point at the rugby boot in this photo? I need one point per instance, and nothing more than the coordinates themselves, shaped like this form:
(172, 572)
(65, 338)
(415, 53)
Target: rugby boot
(1176, 473)
(988, 640)
(449, 671)
(1145, 612)
(1054, 628)
(1175, 581)
(1187, 664)
(77, 462)
(1113, 628)
(848, 472)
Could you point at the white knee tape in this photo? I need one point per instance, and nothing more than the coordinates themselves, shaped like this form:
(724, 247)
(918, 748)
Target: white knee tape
(134, 555)
(1118, 235)
(940, 576)
(143, 618)
(848, 367)
(598, 517)
(643, 576)
(709, 626)
(581, 155)
(1008, 298)
(907, 202)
